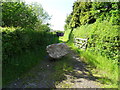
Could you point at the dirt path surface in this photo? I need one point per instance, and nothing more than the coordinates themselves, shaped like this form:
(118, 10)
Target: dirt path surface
(38, 77)
(41, 76)
(80, 77)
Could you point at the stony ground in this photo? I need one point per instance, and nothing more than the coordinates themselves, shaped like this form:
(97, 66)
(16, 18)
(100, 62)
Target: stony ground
(41, 76)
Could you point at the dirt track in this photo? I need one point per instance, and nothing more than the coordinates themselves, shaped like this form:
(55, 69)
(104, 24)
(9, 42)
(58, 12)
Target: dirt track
(41, 76)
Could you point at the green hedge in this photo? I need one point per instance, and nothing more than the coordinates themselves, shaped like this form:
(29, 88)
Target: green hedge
(22, 49)
(15, 41)
(103, 38)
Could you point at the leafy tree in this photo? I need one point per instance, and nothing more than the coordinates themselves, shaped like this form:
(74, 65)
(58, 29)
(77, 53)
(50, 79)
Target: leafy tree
(26, 16)
(89, 12)
(107, 11)
(18, 14)
(41, 14)
(67, 21)
(79, 16)
(42, 17)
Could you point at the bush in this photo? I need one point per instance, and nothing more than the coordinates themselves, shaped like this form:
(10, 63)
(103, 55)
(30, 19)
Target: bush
(102, 37)
(18, 14)
(102, 49)
(18, 40)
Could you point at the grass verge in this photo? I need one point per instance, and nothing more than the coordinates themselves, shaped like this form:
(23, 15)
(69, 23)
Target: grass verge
(22, 63)
(102, 67)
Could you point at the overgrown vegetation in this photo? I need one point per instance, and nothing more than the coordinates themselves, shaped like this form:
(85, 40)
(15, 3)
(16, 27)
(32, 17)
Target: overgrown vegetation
(89, 12)
(26, 16)
(99, 23)
(102, 67)
(25, 35)
(19, 40)
(102, 38)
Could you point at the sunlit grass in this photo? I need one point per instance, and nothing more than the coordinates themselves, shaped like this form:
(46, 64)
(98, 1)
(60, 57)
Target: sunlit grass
(62, 66)
(102, 66)
(106, 69)
(65, 37)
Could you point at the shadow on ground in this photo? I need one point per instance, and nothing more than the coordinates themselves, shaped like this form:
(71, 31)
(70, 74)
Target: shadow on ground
(80, 76)
(67, 72)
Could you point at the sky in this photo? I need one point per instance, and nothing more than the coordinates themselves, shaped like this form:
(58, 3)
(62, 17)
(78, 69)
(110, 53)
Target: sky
(58, 9)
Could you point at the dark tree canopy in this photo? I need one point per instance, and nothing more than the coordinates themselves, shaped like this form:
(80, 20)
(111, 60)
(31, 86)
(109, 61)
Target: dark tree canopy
(89, 12)
(17, 14)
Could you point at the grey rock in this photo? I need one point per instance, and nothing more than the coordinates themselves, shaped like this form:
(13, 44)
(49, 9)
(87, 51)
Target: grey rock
(57, 50)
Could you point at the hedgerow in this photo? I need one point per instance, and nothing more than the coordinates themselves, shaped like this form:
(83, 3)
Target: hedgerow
(25, 35)
(15, 41)
(103, 38)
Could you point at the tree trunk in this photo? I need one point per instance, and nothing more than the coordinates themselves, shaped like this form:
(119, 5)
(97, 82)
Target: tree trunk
(69, 37)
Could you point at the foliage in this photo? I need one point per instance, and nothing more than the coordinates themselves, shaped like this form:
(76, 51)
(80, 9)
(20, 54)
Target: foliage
(26, 16)
(42, 17)
(18, 14)
(102, 38)
(89, 12)
(41, 14)
(103, 67)
(17, 40)
(25, 35)
(99, 23)
(43, 27)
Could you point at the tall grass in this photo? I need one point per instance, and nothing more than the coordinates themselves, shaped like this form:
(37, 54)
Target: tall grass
(106, 69)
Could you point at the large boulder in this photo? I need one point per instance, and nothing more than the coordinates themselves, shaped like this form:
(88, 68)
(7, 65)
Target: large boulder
(57, 50)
